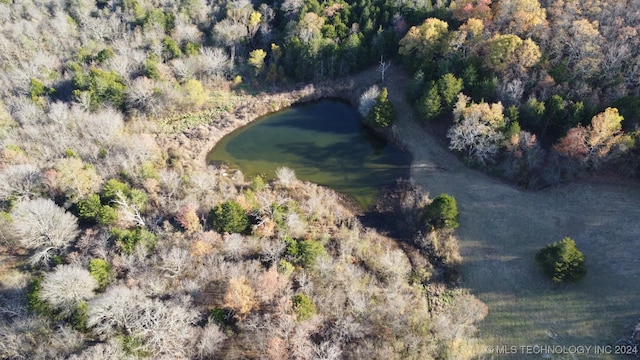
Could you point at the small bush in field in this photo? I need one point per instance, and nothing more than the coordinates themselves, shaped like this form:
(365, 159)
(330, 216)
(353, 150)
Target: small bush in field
(442, 213)
(562, 261)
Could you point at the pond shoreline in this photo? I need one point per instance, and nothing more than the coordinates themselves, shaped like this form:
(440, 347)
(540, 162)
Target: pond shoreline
(192, 146)
(189, 149)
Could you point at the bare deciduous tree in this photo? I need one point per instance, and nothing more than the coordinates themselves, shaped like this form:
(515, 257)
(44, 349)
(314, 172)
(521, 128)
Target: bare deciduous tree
(230, 33)
(129, 210)
(114, 311)
(286, 176)
(21, 182)
(174, 261)
(67, 286)
(327, 350)
(33, 338)
(234, 246)
(142, 96)
(368, 100)
(296, 225)
(211, 338)
(166, 328)
(111, 349)
(270, 284)
(475, 130)
(43, 226)
(213, 63)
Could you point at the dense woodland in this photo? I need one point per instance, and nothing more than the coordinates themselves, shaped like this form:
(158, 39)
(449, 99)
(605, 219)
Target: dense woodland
(114, 247)
(548, 87)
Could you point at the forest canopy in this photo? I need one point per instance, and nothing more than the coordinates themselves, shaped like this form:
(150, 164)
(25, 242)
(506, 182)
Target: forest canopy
(121, 245)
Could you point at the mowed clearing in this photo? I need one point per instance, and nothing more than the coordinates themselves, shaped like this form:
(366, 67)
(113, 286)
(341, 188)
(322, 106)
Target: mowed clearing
(501, 229)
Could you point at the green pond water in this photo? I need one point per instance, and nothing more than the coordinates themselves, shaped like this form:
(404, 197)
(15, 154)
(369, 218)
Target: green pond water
(324, 141)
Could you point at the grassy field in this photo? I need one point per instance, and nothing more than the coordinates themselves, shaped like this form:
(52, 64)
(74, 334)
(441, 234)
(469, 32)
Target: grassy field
(526, 309)
(501, 229)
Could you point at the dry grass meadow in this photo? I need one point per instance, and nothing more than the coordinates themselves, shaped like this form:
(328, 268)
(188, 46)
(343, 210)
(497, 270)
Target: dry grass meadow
(501, 229)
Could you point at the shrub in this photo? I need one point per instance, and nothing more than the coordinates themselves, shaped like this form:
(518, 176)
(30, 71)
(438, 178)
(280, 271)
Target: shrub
(292, 250)
(112, 187)
(442, 213)
(128, 239)
(102, 86)
(304, 252)
(309, 250)
(104, 55)
(285, 268)
(89, 208)
(34, 303)
(80, 315)
(221, 316)
(171, 49)
(256, 59)
(229, 217)
(562, 261)
(195, 94)
(92, 210)
(191, 48)
(303, 307)
(151, 69)
(38, 89)
(449, 87)
(107, 216)
(257, 184)
(70, 153)
(75, 179)
(101, 271)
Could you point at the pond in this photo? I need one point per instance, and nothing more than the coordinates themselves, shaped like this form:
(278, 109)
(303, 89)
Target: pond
(324, 141)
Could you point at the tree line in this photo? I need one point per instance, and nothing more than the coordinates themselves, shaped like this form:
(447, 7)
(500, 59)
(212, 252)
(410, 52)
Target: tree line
(549, 89)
